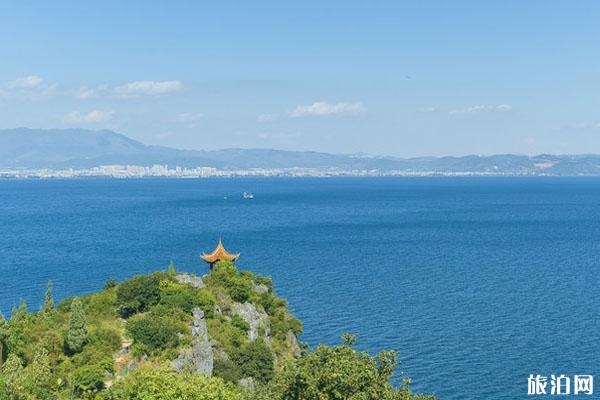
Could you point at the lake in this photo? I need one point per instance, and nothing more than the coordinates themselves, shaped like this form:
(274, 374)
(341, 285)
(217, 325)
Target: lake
(477, 282)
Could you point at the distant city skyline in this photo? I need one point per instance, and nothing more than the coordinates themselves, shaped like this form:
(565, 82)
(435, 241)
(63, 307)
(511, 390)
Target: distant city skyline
(389, 78)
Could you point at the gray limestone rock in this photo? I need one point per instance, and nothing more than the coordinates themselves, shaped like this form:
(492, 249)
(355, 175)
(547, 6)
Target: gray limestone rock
(292, 341)
(192, 280)
(247, 383)
(253, 317)
(200, 356)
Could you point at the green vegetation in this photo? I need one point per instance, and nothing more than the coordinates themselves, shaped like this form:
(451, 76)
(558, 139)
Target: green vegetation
(138, 294)
(338, 373)
(77, 335)
(120, 343)
(48, 299)
(158, 329)
(163, 384)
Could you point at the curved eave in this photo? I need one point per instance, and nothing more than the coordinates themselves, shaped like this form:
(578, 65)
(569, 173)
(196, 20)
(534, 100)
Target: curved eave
(212, 258)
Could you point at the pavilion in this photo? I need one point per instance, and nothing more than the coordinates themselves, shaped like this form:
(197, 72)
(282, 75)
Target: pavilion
(219, 254)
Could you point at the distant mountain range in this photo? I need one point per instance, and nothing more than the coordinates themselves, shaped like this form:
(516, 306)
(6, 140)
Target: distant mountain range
(79, 148)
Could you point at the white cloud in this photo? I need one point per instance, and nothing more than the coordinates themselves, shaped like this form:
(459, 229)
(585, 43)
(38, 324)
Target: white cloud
(189, 117)
(26, 82)
(429, 109)
(133, 89)
(30, 87)
(267, 117)
(86, 92)
(93, 117)
(479, 109)
(503, 107)
(321, 108)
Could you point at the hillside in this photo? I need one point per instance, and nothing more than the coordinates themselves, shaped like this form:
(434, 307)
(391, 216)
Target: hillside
(82, 148)
(169, 336)
(24, 148)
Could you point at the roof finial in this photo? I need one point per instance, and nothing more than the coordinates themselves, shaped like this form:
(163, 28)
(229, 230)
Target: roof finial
(219, 254)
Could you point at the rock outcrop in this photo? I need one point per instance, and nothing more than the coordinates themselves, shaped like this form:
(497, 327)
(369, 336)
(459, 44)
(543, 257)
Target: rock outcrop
(192, 280)
(292, 342)
(248, 312)
(200, 356)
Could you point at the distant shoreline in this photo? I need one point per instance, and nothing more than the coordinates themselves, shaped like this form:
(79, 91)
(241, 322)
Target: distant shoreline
(233, 175)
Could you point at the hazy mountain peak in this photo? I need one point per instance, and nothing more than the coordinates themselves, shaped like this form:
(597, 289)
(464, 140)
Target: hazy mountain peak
(83, 148)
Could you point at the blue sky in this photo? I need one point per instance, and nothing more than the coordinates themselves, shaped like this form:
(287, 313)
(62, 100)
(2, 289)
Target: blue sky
(382, 77)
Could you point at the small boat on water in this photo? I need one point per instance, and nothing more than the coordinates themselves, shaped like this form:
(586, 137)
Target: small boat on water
(248, 196)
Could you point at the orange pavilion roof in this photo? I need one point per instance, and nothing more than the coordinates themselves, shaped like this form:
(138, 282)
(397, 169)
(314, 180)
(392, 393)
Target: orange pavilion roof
(219, 254)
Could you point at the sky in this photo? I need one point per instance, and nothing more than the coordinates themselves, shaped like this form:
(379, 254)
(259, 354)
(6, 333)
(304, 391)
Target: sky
(400, 78)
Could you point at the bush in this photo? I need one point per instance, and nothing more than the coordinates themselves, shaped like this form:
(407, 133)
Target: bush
(237, 285)
(101, 304)
(106, 337)
(139, 294)
(206, 301)
(240, 290)
(110, 283)
(158, 330)
(88, 379)
(231, 337)
(227, 370)
(282, 322)
(339, 373)
(239, 322)
(165, 384)
(256, 361)
(177, 295)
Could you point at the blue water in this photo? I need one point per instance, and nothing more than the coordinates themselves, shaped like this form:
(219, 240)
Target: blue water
(478, 282)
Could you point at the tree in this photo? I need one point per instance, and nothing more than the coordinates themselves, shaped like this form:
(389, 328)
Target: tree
(3, 337)
(171, 270)
(77, 335)
(38, 382)
(12, 379)
(110, 283)
(348, 339)
(138, 294)
(256, 361)
(16, 341)
(48, 299)
(339, 373)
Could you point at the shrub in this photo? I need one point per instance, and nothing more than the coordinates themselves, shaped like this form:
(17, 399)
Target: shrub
(264, 280)
(178, 295)
(256, 360)
(206, 301)
(88, 379)
(282, 322)
(106, 337)
(240, 289)
(231, 337)
(239, 322)
(101, 305)
(339, 373)
(227, 370)
(237, 285)
(158, 330)
(163, 384)
(139, 294)
(110, 283)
